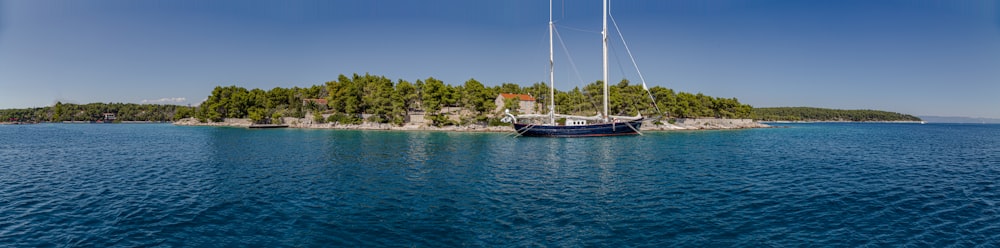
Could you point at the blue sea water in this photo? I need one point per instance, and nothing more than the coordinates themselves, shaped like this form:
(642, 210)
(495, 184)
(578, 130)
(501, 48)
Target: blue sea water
(844, 184)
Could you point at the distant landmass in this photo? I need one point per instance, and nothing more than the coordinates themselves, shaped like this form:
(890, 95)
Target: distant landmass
(94, 112)
(956, 119)
(822, 114)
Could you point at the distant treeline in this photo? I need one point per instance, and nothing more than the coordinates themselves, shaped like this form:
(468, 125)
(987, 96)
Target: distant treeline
(821, 114)
(95, 112)
(377, 99)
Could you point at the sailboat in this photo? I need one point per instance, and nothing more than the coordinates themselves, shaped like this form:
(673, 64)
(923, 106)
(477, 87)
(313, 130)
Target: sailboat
(576, 126)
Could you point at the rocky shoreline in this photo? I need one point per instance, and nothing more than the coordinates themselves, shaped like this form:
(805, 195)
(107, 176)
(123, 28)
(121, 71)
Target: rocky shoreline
(678, 125)
(820, 121)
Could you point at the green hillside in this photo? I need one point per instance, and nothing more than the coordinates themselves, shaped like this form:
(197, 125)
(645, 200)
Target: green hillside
(822, 114)
(95, 111)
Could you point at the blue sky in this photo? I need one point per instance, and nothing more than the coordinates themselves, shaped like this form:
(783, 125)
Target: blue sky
(911, 56)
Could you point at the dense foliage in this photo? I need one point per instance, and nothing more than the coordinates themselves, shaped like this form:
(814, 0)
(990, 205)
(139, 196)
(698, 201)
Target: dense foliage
(377, 99)
(821, 114)
(95, 112)
(368, 98)
(626, 99)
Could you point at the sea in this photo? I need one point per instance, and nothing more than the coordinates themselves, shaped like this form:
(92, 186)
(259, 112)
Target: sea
(800, 184)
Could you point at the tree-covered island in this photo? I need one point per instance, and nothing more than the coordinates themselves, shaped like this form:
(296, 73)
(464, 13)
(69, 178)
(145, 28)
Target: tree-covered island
(822, 114)
(358, 99)
(96, 112)
(376, 99)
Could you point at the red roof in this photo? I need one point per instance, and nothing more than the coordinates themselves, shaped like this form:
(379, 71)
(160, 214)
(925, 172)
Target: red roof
(519, 96)
(319, 101)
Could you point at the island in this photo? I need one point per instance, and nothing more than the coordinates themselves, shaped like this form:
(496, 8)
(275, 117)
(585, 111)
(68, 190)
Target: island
(378, 103)
(95, 113)
(810, 114)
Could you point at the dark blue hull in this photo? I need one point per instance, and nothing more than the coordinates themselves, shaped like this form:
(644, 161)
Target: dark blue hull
(592, 130)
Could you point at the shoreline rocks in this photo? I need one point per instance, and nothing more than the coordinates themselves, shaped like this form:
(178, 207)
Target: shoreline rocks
(229, 122)
(678, 125)
(704, 124)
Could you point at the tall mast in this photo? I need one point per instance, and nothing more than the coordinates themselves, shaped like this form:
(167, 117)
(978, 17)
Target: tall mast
(604, 34)
(552, 74)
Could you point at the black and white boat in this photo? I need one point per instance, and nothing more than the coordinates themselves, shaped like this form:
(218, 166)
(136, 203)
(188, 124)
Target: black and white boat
(545, 125)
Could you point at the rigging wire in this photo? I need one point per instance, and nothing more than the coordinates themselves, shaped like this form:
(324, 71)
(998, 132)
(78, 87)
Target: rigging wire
(581, 29)
(544, 40)
(571, 63)
(618, 61)
(568, 56)
(641, 78)
(622, 70)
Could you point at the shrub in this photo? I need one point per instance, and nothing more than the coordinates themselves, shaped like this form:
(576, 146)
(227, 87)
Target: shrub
(276, 118)
(441, 120)
(496, 122)
(318, 118)
(341, 118)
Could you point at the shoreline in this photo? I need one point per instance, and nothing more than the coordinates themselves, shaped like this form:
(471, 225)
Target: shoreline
(806, 122)
(305, 123)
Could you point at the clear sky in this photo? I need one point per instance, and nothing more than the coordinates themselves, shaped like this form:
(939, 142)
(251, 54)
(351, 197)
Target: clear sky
(911, 56)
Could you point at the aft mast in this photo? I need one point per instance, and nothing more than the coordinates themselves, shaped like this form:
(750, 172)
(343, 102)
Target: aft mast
(552, 73)
(604, 38)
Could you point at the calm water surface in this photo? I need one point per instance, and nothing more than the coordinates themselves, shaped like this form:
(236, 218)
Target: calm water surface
(811, 184)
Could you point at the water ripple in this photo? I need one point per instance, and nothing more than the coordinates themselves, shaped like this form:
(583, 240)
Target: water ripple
(818, 184)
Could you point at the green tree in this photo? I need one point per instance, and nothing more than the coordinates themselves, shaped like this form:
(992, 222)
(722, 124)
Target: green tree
(183, 112)
(400, 105)
(510, 88)
(318, 118)
(665, 98)
(59, 111)
(349, 98)
(434, 92)
(257, 115)
(419, 86)
(477, 99)
(276, 118)
(407, 93)
(378, 98)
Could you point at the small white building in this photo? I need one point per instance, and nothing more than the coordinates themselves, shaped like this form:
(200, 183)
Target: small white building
(526, 103)
(109, 117)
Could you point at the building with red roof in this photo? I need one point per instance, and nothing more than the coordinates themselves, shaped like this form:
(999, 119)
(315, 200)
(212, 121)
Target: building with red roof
(526, 103)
